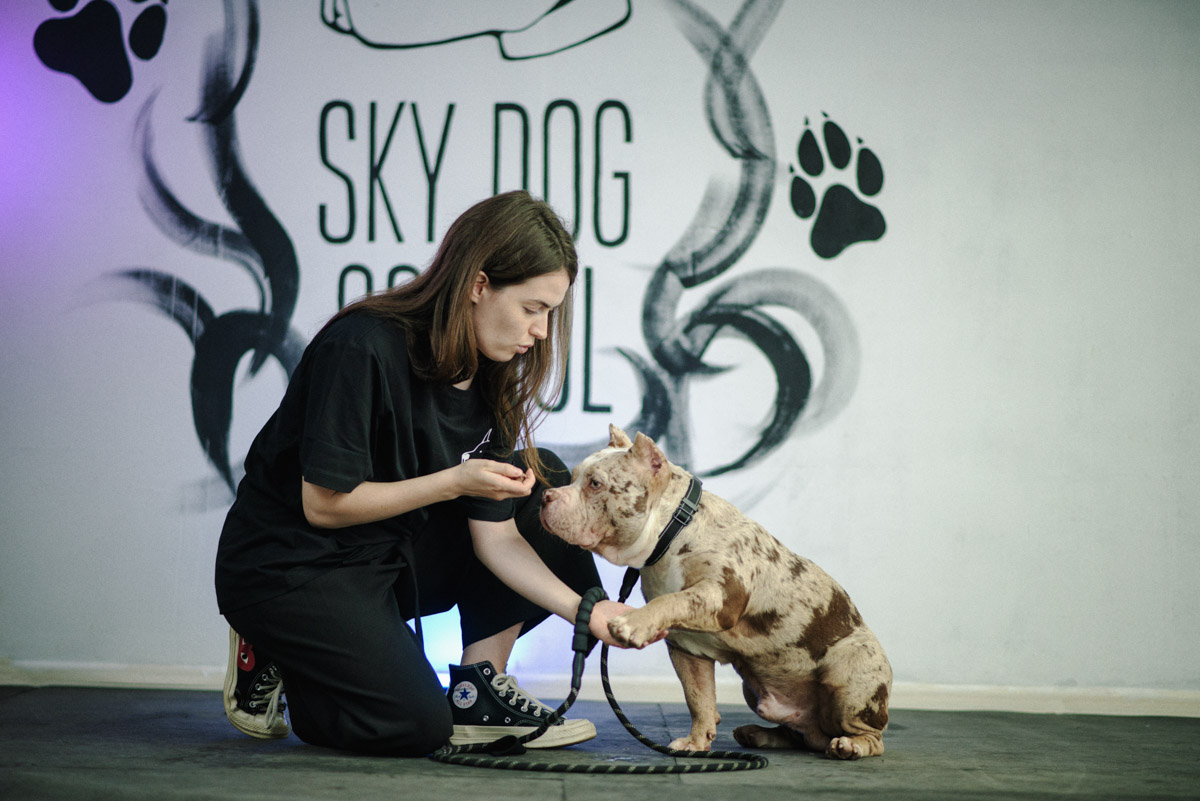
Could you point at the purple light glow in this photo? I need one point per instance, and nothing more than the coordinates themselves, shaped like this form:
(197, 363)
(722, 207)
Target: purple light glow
(37, 109)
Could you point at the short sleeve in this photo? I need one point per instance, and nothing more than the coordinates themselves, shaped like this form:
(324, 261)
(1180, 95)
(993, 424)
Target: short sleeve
(490, 511)
(343, 391)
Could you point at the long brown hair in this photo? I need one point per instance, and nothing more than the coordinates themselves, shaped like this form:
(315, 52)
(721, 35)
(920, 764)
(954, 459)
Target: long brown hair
(511, 237)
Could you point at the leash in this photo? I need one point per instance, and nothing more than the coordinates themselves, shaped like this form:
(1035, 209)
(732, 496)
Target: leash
(721, 760)
(500, 753)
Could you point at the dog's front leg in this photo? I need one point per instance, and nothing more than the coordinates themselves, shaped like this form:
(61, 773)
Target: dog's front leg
(707, 605)
(697, 675)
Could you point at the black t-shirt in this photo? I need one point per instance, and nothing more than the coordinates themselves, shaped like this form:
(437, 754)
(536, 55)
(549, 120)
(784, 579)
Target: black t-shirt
(352, 412)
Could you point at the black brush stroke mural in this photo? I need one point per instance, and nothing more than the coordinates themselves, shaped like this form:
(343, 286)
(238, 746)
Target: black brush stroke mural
(727, 221)
(258, 244)
(219, 100)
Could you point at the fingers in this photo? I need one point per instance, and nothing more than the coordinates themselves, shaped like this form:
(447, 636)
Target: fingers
(497, 480)
(501, 468)
(603, 613)
(520, 484)
(605, 636)
(528, 480)
(598, 623)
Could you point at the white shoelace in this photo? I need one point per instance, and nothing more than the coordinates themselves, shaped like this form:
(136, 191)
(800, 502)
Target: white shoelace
(271, 691)
(504, 684)
(274, 706)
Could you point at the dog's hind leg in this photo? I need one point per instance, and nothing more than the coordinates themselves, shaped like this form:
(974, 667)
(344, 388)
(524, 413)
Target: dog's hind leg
(863, 745)
(754, 736)
(791, 709)
(861, 724)
(858, 679)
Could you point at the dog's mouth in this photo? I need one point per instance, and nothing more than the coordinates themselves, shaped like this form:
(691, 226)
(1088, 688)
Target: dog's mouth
(547, 521)
(564, 530)
(552, 523)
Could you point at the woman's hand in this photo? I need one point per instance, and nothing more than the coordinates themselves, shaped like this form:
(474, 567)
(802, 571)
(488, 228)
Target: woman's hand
(497, 481)
(510, 557)
(605, 611)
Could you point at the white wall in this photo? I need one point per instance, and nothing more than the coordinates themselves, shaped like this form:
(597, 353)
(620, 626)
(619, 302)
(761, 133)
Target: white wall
(1010, 495)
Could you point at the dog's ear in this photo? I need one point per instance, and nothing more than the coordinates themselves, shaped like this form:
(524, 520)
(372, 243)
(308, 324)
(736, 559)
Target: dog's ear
(617, 437)
(648, 453)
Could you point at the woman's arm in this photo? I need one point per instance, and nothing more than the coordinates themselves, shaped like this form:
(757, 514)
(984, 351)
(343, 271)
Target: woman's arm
(373, 501)
(506, 553)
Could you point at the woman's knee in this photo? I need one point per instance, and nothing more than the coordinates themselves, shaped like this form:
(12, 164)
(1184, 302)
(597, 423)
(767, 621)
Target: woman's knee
(420, 739)
(385, 730)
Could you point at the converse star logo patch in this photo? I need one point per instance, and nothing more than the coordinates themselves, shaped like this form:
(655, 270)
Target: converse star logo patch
(465, 695)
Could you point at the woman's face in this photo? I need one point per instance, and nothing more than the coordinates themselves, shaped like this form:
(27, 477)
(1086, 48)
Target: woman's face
(509, 321)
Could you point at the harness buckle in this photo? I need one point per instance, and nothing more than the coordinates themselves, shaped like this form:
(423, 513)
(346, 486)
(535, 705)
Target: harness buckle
(687, 508)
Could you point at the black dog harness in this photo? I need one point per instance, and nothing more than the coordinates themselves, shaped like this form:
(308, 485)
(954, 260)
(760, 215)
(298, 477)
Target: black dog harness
(678, 522)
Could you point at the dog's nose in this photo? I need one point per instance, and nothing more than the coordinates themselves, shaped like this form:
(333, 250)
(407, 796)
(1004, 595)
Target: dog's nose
(547, 496)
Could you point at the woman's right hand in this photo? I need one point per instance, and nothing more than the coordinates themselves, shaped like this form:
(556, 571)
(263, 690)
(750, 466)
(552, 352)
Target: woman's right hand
(603, 613)
(497, 481)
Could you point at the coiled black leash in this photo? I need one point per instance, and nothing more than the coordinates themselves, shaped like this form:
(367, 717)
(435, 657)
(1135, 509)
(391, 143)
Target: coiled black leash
(499, 754)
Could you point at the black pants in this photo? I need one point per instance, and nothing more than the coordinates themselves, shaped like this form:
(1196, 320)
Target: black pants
(355, 675)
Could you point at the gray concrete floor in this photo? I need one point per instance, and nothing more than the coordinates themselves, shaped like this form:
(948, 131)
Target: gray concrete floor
(95, 744)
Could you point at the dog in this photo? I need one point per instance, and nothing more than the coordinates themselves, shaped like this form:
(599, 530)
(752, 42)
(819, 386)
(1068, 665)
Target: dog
(727, 591)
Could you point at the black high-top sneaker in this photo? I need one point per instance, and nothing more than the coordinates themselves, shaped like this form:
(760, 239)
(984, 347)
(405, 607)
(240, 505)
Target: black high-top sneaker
(487, 705)
(253, 692)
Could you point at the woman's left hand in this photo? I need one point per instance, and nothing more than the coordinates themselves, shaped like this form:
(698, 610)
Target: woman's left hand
(498, 481)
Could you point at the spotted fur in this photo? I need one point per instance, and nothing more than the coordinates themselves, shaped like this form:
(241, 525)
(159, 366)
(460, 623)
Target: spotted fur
(729, 592)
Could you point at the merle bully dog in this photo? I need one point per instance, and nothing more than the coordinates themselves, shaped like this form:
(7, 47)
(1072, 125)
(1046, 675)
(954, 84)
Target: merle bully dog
(727, 591)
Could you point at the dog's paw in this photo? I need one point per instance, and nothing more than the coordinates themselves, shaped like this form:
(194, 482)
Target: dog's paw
(633, 630)
(844, 748)
(693, 742)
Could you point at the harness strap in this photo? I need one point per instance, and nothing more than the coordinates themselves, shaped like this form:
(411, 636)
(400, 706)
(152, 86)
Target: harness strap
(683, 515)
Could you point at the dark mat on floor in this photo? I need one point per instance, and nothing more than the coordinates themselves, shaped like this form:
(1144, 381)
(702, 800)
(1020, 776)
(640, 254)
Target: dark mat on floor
(71, 743)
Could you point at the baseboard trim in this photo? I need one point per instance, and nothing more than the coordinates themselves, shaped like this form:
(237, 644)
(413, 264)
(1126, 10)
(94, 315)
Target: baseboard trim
(107, 674)
(913, 695)
(663, 689)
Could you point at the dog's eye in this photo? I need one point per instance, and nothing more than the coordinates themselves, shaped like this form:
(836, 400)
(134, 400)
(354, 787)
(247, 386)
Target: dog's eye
(594, 484)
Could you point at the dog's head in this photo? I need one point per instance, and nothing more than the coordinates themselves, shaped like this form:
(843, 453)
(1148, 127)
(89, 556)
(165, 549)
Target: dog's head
(609, 506)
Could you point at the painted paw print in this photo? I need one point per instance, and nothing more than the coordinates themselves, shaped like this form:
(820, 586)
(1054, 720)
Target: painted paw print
(91, 44)
(843, 217)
